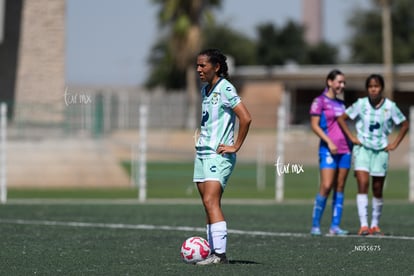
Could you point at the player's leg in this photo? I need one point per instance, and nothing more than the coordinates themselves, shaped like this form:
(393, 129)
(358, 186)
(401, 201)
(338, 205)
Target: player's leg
(199, 178)
(327, 176)
(211, 191)
(362, 201)
(339, 197)
(379, 170)
(362, 161)
(377, 203)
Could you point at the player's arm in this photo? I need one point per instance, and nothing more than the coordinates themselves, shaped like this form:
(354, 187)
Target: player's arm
(321, 134)
(245, 119)
(244, 124)
(342, 123)
(403, 131)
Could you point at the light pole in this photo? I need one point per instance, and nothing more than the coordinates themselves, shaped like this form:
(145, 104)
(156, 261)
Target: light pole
(387, 48)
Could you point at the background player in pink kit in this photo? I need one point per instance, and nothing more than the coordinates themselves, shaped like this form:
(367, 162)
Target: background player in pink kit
(334, 152)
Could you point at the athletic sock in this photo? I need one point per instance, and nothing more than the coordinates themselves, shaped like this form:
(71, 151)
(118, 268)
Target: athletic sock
(376, 210)
(362, 203)
(318, 208)
(219, 237)
(337, 206)
(209, 237)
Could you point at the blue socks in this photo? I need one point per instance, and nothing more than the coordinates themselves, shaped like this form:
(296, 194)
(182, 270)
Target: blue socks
(337, 206)
(318, 208)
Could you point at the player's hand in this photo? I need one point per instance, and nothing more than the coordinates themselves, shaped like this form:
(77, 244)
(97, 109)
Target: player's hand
(390, 147)
(333, 148)
(356, 141)
(223, 149)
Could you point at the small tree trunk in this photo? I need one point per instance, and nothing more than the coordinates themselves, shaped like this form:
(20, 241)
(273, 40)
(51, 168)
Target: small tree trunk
(192, 97)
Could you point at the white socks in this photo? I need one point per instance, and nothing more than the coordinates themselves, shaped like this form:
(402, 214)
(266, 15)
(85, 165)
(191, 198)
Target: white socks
(362, 204)
(217, 236)
(376, 210)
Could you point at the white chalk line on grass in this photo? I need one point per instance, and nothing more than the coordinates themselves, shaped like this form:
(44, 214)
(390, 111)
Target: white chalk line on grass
(178, 228)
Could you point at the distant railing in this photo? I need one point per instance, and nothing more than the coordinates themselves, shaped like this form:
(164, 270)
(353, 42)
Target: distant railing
(97, 112)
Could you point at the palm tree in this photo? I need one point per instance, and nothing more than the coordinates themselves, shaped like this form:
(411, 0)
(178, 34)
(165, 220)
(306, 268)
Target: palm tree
(183, 19)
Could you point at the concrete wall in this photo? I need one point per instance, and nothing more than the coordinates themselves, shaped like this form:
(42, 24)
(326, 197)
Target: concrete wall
(41, 63)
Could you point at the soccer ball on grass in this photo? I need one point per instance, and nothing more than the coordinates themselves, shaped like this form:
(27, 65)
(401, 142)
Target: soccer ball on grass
(194, 249)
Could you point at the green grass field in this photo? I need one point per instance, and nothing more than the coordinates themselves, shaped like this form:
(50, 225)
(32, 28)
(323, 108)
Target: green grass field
(174, 180)
(144, 239)
(107, 232)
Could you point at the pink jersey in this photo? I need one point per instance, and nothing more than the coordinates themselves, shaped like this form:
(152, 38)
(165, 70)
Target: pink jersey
(329, 110)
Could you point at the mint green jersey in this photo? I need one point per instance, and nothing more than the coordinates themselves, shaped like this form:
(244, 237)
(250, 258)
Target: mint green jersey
(373, 125)
(218, 118)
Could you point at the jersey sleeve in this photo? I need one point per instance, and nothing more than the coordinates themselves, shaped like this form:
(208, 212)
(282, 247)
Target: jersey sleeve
(353, 110)
(316, 107)
(231, 98)
(397, 116)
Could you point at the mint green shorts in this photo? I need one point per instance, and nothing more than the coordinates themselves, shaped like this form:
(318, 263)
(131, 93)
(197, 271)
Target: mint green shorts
(218, 168)
(373, 161)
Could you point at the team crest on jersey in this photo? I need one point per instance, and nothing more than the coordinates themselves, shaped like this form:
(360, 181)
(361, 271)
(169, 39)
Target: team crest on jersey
(215, 98)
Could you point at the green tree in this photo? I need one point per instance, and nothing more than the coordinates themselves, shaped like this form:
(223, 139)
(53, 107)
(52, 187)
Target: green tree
(173, 63)
(278, 46)
(367, 33)
(322, 53)
(233, 43)
(182, 20)
(164, 71)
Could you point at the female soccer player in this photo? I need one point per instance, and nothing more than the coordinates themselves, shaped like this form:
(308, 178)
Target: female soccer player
(215, 147)
(375, 117)
(334, 152)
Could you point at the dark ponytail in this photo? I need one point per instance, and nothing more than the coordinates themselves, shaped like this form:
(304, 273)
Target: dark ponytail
(215, 57)
(332, 75)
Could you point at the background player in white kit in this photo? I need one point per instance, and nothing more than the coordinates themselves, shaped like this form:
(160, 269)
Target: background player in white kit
(375, 118)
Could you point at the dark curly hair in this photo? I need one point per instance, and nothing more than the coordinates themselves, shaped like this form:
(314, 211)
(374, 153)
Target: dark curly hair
(215, 57)
(376, 77)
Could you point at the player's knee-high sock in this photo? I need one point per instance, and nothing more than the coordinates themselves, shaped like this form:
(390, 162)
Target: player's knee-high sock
(376, 210)
(337, 206)
(362, 203)
(219, 237)
(210, 238)
(318, 208)
(333, 206)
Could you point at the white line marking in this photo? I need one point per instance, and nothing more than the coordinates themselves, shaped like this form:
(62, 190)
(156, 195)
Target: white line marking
(178, 228)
